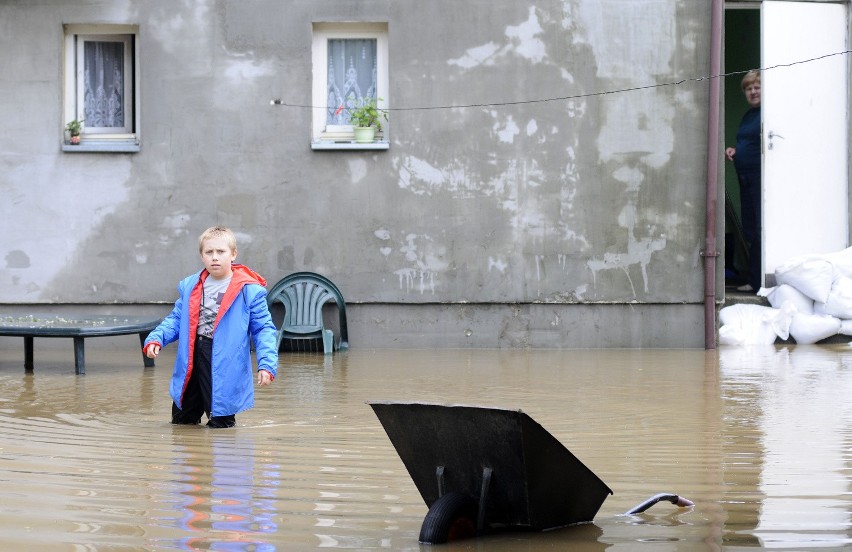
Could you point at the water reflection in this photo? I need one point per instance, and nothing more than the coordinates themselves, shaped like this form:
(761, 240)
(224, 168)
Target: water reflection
(801, 413)
(757, 437)
(223, 507)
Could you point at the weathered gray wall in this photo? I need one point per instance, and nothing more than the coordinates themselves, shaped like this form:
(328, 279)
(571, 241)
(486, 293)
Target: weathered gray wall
(574, 222)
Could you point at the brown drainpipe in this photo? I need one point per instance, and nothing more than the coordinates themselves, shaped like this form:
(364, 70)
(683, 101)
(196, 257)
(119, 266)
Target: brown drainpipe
(710, 252)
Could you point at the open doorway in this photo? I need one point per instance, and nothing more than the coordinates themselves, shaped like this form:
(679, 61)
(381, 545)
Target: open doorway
(742, 53)
(802, 50)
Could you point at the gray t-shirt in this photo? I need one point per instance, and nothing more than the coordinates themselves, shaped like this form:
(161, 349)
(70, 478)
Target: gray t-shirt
(211, 298)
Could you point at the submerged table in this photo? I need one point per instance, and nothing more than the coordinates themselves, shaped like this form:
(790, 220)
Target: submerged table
(78, 328)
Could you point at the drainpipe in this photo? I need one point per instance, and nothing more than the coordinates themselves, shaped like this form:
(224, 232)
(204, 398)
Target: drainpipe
(710, 252)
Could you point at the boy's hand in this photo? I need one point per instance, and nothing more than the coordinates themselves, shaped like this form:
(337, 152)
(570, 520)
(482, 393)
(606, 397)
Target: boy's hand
(152, 350)
(264, 377)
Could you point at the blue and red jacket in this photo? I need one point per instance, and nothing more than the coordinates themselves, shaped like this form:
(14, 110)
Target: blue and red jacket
(242, 313)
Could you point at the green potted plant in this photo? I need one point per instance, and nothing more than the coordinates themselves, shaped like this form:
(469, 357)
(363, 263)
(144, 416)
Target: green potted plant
(74, 128)
(366, 119)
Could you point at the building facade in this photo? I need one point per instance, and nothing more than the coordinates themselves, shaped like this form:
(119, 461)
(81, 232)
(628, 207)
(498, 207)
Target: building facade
(541, 179)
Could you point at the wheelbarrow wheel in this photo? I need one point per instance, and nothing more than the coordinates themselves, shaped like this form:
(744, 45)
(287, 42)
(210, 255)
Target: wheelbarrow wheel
(452, 517)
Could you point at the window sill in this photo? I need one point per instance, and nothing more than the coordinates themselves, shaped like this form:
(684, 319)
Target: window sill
(94, 146)
(327, 145)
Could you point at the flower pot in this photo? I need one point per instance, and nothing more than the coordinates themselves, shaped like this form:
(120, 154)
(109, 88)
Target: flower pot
(75, 140)
(364, 135)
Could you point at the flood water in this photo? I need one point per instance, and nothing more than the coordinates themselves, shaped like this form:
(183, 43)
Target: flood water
(759, 438)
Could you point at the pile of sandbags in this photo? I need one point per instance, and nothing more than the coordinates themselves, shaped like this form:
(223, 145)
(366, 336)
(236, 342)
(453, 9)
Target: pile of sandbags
(812, 301)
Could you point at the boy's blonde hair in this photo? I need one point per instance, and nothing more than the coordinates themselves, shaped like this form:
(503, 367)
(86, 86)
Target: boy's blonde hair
(217, 232)
(750, 78)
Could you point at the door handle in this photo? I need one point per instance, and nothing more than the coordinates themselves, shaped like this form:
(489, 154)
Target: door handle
(773, 134)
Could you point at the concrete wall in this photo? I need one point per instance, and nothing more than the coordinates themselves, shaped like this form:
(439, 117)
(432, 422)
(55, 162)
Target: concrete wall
(566, 223)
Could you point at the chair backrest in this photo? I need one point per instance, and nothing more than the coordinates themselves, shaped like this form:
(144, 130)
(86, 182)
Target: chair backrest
(303, 295)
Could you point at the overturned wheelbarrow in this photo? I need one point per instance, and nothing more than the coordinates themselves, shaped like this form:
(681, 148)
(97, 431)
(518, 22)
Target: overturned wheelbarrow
(488, 469)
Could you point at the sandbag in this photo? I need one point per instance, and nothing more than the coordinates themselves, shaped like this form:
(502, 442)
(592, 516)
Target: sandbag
(845, 327)
(810, 274)
(743, 324)
(842, 262)
(810, 328)
(839, 301)
(785, 292)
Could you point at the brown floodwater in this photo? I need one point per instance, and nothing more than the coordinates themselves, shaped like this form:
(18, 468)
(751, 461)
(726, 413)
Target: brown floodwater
(760, 438)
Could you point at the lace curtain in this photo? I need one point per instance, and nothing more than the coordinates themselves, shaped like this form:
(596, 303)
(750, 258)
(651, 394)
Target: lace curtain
(104, 84)
(351, 76)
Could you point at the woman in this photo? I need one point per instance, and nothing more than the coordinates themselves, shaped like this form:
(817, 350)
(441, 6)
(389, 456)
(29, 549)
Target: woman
(746, 158)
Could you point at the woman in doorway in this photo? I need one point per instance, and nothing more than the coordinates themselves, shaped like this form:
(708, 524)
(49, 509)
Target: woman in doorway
(746, 158)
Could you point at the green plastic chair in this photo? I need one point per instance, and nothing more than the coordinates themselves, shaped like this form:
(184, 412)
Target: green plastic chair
(303, 295)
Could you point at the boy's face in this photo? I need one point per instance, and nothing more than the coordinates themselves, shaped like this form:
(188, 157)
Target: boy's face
(217, 257)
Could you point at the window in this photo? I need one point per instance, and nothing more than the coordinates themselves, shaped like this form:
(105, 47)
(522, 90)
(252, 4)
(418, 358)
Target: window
(101, 86)
(350, 64)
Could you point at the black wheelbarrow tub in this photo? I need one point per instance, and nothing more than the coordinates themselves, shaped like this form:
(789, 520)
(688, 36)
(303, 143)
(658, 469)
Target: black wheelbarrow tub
(533, 482)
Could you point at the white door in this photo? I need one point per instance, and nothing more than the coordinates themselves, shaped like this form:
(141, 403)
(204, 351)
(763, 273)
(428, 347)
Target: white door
(805, 151)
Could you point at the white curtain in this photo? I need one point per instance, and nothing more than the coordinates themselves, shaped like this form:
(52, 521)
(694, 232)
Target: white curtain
(104, 84)
(351, 76)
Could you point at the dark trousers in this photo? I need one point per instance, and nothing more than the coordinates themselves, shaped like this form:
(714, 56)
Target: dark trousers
(750, 205)
(197, 398)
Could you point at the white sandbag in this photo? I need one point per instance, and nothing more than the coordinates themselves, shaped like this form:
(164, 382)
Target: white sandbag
(819, 308)
(842, 262)
(811, 275)
(733, 334)
(839, 301)
(785, 292)
(743, 324)
(810, 328)
(845, 327)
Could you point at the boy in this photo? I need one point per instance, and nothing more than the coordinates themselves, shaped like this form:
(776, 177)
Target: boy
(218, 308)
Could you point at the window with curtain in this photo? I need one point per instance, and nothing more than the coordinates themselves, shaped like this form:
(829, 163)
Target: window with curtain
(350, 64)
(104, 73)
(351, 76)
(101, 84)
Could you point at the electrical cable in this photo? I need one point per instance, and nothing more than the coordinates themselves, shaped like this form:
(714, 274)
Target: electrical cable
(282, 103)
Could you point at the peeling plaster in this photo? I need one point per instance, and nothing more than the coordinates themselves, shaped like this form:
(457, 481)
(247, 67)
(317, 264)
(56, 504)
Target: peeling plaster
(532, 127)
(173, 227)
(79, 203)
(422, 178)
(242, 68)
(639, 251)
(640, 122)
(425, 260)
(479, 55)
(498, 263)
(508, 131)
(194, 29)
(637, 128)
(522, 40)
(624, 50)
(357, 170)
(17, 259)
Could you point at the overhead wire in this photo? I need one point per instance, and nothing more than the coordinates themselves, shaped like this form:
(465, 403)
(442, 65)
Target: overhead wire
(580, 96)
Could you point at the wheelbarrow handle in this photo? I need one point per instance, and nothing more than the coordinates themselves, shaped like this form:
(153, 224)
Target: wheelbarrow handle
(669, 497)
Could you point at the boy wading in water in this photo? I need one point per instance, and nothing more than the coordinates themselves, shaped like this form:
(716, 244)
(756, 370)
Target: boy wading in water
(217, 310)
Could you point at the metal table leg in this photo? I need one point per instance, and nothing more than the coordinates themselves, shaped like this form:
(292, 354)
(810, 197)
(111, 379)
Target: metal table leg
(79, 356)
(149, 362)
(28, 353)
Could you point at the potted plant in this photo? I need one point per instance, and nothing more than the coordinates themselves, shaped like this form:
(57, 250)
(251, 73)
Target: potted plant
(74, 128)
(366, 119)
